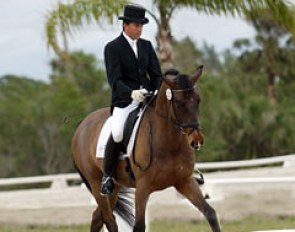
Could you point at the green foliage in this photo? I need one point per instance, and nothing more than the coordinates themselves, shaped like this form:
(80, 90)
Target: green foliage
(38, 119)
(18, 109)
(238, 120)
(253, 223)
(270, 53)
(89, 78)
(61, 100)
(187, 56)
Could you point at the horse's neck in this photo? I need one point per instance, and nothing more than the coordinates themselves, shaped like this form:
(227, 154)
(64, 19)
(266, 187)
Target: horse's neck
(162, 104)
(162, 122)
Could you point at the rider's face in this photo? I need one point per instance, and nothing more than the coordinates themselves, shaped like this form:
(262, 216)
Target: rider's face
(133, 30)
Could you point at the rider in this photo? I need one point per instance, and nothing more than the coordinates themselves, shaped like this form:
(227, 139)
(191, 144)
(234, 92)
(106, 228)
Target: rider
(133, 70)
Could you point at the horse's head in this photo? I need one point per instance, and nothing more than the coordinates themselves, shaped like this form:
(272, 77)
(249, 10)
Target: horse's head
(183, 99)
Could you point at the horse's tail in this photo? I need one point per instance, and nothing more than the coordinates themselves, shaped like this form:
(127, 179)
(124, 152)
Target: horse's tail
(125, 206)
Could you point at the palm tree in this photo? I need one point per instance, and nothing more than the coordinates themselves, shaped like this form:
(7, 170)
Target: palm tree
(69, 17)
(268, 55)
(84, 11)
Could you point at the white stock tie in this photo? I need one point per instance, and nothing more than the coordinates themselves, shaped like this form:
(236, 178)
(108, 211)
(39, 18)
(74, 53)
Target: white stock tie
(134, 47)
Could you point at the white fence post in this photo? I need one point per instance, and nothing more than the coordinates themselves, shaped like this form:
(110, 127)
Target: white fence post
(59, 182)
(290, 162)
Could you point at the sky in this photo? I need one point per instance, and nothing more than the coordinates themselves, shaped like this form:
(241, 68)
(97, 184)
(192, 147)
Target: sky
(24, 52)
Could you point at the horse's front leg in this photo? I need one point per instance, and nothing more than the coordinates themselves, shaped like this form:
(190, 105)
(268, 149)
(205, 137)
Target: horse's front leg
(141, 198)
(190, 189)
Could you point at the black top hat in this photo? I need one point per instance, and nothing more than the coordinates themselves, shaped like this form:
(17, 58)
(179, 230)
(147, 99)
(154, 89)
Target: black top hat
(133, 13)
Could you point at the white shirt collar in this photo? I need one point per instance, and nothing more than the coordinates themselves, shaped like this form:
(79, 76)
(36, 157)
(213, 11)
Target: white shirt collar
(130, 41)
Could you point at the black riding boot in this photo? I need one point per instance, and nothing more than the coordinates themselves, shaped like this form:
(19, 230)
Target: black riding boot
(112, 152)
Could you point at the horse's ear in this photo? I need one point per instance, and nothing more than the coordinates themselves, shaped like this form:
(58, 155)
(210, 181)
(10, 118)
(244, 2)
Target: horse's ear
(170, 77)
(197, 74)
(170, 80)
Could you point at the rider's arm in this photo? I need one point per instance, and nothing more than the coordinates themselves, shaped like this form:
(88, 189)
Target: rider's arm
(114, 72)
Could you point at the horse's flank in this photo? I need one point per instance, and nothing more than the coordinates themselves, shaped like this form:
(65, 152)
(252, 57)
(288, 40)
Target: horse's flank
(85, 142)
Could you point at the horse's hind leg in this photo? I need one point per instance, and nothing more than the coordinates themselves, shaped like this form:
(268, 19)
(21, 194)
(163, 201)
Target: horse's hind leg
(97, 222)
(191, 191)
(104, 212)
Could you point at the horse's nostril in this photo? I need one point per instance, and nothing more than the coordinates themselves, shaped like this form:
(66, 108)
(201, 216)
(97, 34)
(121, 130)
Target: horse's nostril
(194, 144)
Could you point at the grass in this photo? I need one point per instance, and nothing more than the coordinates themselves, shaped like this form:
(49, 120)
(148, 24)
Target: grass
(246, 225)
(80, 228)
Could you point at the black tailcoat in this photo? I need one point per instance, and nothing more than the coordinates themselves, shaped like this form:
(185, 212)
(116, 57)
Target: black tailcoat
(125, 72)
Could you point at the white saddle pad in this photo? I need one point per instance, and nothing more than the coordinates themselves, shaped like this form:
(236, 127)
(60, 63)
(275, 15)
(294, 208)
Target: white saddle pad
(106, 132)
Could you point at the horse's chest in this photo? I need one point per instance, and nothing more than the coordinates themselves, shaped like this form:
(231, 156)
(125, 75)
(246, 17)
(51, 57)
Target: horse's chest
(183, 169)
(172, 170)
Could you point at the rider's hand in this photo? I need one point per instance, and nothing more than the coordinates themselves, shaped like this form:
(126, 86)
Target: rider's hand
(138, 95)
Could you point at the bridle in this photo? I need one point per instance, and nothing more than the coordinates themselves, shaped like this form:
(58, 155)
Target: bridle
(176, 122)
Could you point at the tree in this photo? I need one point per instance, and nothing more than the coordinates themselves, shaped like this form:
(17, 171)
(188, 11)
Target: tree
(20, 103)
(68, 15)
(88, 77)
(188, 56)
(268, 54)
(62, 108)
(38, 119)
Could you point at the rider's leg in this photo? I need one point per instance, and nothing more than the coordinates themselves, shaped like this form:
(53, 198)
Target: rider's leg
(119, 118)
(112, 150)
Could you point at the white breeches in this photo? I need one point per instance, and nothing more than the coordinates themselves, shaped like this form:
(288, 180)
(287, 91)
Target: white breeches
(119, 117)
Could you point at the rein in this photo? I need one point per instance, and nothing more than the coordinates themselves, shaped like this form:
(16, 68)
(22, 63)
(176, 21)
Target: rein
(150, 99)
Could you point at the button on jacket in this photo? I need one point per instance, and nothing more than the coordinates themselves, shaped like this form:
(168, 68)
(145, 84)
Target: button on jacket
(126, 72)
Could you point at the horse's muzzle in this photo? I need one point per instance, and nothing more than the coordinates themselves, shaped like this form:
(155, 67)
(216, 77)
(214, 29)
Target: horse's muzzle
(196, 139)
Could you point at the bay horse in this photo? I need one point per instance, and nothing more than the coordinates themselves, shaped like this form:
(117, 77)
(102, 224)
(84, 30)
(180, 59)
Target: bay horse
(163, 155)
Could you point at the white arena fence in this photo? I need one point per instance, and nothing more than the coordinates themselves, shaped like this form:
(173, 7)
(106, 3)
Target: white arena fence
(286, 161)
(55, 181)
(63, 180)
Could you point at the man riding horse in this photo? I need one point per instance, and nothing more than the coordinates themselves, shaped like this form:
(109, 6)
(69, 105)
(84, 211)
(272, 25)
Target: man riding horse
(133, 70)
(168, 131)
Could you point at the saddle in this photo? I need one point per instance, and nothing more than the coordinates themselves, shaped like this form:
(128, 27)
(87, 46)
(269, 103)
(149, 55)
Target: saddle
(133, 117)
(129, 129)
(129, 125)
